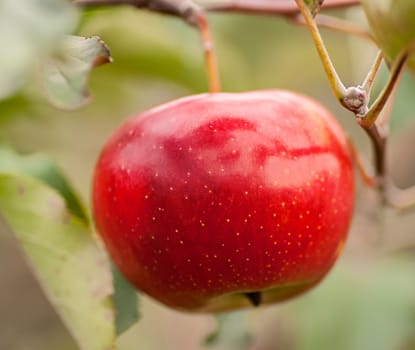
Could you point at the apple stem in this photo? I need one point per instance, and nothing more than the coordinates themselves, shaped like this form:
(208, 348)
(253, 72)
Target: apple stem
(209, 50)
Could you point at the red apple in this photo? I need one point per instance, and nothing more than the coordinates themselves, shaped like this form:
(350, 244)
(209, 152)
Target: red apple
(219, 201)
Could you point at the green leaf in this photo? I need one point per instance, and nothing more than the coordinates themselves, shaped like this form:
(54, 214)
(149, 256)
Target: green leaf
(392, 25)
(232, 331)
(170, 51)
(65, 75)
(70, 267)
(42, 168)
(126, 302)
(29, 30)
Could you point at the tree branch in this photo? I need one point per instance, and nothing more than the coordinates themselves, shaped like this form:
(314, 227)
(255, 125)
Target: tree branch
(269, 7)
(180, 8)
(286, 8)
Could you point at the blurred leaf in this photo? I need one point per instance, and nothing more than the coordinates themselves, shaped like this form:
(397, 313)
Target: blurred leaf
(366, 307)
(126, 302)
(66, 73)
(232, 331)
(392, 25)
(13, 107)
(29, 30)
(169, 51)
(42, 168)
(404, 106)
(74, 273)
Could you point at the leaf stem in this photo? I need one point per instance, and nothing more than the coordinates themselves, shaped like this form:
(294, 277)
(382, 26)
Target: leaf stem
(370, 78)
(334, 80)
(369, 119)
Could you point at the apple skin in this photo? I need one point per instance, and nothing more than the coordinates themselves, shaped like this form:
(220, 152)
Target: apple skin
(205, 199)
(392, 23)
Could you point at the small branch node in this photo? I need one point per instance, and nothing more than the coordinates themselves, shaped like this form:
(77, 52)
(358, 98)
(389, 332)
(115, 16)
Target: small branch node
(356, 100)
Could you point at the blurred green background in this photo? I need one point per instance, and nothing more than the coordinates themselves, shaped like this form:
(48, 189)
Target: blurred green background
(368, 300)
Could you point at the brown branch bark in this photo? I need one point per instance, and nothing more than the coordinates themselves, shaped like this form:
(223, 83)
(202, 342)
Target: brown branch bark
(180, 8)
(266, 7)
(269, 7)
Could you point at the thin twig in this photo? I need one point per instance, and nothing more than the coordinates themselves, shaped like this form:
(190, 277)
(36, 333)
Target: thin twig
(369, 119)
(386, 113)
(370, 78)
(335, 82)
(337, 24)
